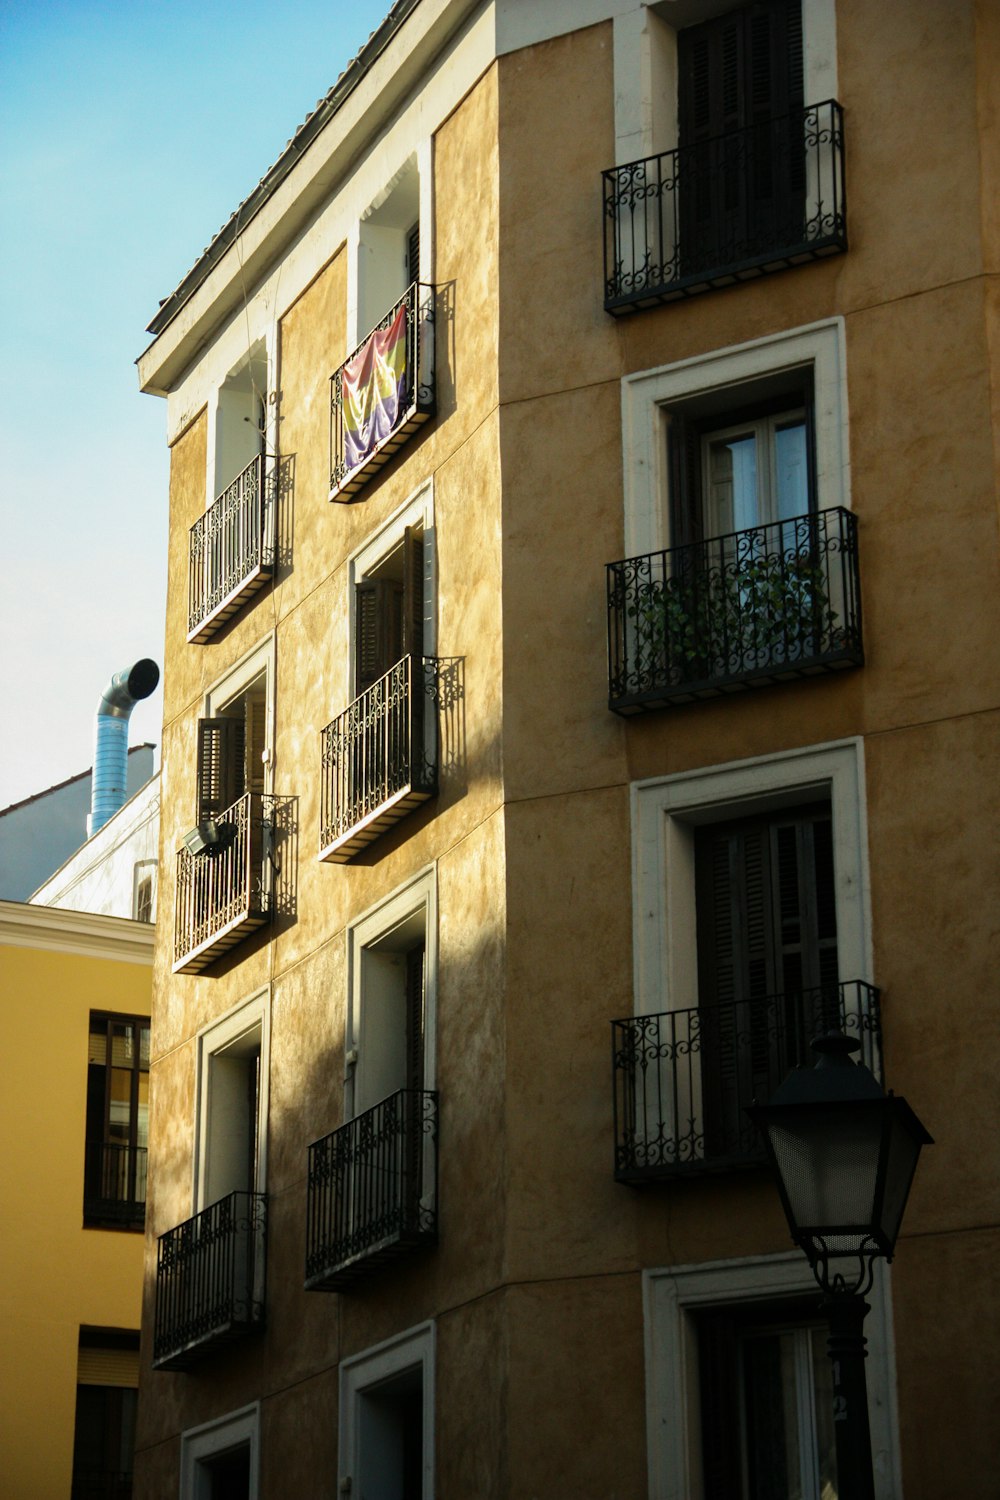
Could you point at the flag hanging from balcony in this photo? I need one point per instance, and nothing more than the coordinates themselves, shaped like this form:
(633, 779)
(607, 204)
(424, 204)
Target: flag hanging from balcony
(373, 390)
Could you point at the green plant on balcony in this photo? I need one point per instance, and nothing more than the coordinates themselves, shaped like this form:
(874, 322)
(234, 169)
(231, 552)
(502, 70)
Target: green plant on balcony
(718, 621)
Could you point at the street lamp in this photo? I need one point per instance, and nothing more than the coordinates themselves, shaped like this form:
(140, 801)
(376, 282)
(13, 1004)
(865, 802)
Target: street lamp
(845, 1154)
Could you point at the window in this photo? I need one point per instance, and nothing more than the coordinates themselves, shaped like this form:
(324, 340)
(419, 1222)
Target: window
(388, 252)
(389, 610)
(104, 1429)
(221, 1460)
(738, 1392)
(231, 749)
(241, 414)
(230, 1152)
(114, 1195)
(387, 1419)
(144, 891)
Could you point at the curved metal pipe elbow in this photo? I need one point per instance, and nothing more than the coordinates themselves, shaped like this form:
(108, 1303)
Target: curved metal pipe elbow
(127, 688)
(108, 782)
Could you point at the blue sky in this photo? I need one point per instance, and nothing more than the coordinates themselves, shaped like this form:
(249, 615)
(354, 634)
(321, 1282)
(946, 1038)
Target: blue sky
(128, 135)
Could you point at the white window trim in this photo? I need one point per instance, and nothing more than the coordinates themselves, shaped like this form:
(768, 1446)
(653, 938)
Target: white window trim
(260, 658)
(416, 895)
(665, 811)
(672, 1294)
(140, 870)
(407, 1351)
(221, 1033)
(648, 395)
(645, 68)
(416, 510)
(215, 1438)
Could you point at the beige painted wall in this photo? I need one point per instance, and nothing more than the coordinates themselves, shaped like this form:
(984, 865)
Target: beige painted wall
(55, 1276)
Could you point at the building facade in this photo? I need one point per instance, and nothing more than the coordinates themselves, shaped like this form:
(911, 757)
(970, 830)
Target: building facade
(73, 1119)
(581, 688)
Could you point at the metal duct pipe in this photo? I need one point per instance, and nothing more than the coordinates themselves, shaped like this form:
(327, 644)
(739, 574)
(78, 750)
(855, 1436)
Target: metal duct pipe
(123, 692)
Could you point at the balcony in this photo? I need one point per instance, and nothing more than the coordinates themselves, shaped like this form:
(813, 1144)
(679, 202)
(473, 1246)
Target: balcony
(230, 553)
(376, 766)
(210, 1280)
(725, 210)
(114, 1186)
(372, 1193)
(382, 392)
(224, 893)
(762, 605)
(683, 1079)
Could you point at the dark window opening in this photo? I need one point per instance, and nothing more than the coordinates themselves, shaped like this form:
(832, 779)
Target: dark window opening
(114, 1194)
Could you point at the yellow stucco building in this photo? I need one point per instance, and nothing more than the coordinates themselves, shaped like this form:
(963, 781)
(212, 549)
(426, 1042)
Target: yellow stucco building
(75, 994)
(581, 687)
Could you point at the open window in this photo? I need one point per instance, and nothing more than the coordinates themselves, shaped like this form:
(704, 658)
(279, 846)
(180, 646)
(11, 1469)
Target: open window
(388, 247)
(224, 871)
(106, 1400)
(231, 547)
(379, 757)
(114, 1195)
(387, 1419)
(751, 938)
(373, 1182)
(232, 1105)
(221, 1460)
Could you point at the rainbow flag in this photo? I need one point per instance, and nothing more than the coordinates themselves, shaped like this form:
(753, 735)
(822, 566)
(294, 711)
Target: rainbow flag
(373, 390)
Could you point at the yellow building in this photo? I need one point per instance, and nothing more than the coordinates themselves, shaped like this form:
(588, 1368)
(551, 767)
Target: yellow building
(73, 1109)
(581, 687)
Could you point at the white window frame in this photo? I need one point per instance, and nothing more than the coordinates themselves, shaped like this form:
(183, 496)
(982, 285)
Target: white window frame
(216, 1037)
(418, 895)
(249, 354)
(142, 869)
(414, 1349)
(421, 159)
(235, 1430)
(672, 1297)
(645, 67)
(648, 395)
(667, 809)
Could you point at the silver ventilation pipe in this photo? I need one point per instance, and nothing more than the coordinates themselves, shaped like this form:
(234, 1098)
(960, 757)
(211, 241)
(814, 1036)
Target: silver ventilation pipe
(123, 692)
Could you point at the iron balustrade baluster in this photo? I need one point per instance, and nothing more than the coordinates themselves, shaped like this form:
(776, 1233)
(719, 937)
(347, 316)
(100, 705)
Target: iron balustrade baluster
(417, 397)
(374, 753)
(743, 204)
(222, 892)
(764, 604)
(372, 1189)
(230, 550)
(682, 1079)
(209, 1280)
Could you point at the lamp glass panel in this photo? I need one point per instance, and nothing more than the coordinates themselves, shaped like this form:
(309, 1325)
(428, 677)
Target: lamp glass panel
(902, 1149)
(828, 1157)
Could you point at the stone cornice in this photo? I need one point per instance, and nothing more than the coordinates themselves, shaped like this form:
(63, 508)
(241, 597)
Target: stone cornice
(62, 931)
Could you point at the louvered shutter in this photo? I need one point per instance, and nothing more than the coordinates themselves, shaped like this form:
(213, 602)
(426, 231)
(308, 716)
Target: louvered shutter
(413, 593)
(220, 765)
(378, 629)
(255, 742)
(413, 255)
(415, 959)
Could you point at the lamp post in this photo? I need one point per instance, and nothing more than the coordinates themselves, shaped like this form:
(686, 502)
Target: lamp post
(844, 1154)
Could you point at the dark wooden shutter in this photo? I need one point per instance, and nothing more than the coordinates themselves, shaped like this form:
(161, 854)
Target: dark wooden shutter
(220, 765)
(378, 629)
(413, 255)
(415, 961)
(413, 593)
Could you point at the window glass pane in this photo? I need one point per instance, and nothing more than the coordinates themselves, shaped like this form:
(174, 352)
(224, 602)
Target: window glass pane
(120, 1108)
(791, 471)
(732, 484)
(142, 1113)
(771, 1417)
(826, 1444)
(144, 1046)
(123, 1044)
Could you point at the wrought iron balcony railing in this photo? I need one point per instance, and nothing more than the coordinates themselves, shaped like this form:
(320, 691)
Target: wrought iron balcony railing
(761, 605)
(210, 1280)
(724, 210)
(377, 760)
(230, 552)
(382, 392)
(114, 1185)
(683, 1079)
(372, 1192)
(224, 894)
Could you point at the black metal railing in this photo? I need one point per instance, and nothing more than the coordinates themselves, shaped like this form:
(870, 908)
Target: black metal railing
(101, 1484)
(377, 760)
(230, 552)
(760, 605)
(372, 1191)
(369, 423)
(210, 1280)
(726, 209)
(114, 1184)
(222, 895)
(683, 1079)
